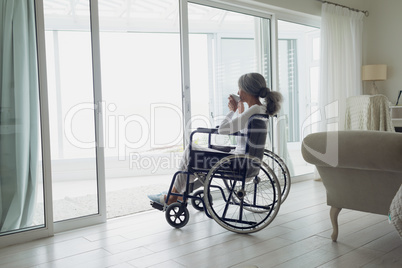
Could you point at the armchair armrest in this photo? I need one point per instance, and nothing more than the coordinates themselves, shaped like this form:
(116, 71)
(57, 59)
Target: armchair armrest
(370, 150)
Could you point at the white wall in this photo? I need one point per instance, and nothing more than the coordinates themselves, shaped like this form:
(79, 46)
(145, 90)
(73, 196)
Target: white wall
(383, 43)
(382, 37)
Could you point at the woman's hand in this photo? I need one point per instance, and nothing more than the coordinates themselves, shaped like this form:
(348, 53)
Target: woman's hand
(232, 104)
(240, 107)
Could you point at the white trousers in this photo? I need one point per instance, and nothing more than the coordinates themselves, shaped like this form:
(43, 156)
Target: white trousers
(181, 179)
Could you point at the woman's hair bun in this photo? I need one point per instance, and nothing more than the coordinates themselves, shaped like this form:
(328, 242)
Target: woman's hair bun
(274, 100)
(263, 92)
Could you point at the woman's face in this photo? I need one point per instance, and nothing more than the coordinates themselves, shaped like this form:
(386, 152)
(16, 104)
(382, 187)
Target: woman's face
(242, 94)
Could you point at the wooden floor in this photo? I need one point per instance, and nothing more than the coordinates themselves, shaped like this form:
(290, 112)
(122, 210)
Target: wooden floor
(298, 237)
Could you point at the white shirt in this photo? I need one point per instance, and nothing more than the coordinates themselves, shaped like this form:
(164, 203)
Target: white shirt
(230, 126)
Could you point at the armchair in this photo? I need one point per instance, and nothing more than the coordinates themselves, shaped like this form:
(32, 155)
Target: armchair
(361, 170)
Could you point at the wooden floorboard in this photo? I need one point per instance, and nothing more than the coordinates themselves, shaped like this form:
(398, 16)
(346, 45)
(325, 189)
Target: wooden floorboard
(298, 237)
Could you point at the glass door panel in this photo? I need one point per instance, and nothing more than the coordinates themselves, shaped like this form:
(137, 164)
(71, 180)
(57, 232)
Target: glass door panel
(298, 58)
(223, 46)
(21, 174)
(141, 83)
(71, 108)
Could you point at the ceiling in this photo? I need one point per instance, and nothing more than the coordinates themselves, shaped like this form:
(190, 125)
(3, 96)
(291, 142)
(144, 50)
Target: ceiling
(140, 15)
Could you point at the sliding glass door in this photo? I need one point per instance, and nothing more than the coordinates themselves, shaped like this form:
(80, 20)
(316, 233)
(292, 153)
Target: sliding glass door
(53, 99)
(72, 108)
(141, 82)
(22, 195)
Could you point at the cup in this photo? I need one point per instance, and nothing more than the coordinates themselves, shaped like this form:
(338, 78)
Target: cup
(235, 97)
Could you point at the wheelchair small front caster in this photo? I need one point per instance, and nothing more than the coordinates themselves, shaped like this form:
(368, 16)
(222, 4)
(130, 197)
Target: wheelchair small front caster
(196, 202)
(177, 215)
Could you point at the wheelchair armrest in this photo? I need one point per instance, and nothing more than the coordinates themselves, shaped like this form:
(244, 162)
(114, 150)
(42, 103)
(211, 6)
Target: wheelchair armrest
(206, 130)
(211, 131)
(225, 149)
(234, 134)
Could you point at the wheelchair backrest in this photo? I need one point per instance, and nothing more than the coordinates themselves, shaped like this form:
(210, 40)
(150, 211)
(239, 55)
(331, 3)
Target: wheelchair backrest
(257, 132)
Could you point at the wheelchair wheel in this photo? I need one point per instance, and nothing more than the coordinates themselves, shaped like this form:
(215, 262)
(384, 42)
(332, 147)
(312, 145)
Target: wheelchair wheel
(242, 205)
(177, 215)
(281, 171)
(195, 202)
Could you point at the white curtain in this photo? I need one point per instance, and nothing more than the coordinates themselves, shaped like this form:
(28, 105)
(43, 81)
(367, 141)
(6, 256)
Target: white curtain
(19, 114)
(341, 61)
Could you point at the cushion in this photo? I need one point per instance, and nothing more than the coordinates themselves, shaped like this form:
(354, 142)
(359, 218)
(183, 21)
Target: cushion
(395, 211)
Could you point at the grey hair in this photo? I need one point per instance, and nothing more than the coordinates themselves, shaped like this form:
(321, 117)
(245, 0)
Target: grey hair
(255, 85)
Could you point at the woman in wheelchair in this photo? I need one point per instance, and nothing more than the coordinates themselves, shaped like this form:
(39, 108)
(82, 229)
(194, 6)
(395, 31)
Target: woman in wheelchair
(252, 89)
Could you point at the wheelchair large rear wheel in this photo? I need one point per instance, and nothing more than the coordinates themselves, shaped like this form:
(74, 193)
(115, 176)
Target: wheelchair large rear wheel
(281, 171)
(242, 205)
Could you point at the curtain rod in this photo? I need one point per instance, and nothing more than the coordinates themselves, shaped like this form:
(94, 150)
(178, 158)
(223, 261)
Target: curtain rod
(366, 13)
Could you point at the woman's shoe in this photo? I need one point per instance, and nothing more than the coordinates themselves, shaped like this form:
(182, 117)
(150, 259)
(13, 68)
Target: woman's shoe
(158, 198)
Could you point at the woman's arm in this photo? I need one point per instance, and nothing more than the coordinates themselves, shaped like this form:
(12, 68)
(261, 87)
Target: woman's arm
(229, 125)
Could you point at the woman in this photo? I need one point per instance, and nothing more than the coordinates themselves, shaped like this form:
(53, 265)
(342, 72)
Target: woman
(252, 87)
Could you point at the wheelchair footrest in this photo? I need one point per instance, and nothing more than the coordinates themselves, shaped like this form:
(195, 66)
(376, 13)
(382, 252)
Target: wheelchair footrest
(157, 205)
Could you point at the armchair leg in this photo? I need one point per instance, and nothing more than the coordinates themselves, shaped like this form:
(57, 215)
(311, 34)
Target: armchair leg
(333, 213)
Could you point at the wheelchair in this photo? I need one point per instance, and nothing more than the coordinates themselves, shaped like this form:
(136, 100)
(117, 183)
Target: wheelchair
(241, 192)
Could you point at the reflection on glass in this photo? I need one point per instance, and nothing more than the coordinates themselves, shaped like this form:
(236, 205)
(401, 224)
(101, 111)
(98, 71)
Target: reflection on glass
(72, 128)
(21, 180)
(141, 84)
